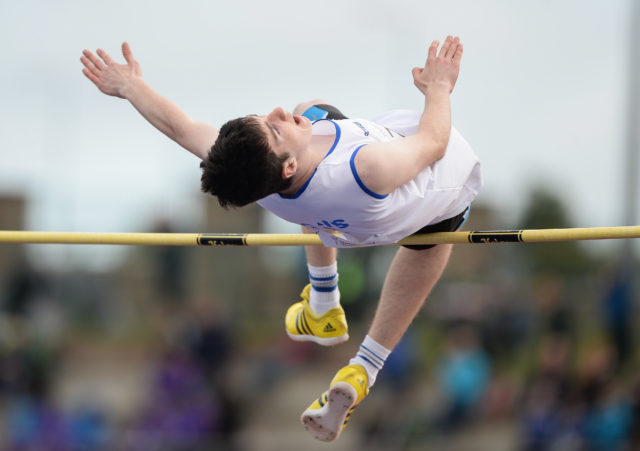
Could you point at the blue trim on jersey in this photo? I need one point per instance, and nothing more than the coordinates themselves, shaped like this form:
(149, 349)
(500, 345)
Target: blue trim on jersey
(357, 177)
(301, 190)
(335, 143)
(338, 133)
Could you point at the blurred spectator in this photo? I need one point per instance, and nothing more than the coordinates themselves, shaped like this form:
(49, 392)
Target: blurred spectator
(549, 296)
(595, 374)
(618, 308)
(212, 347)
(607, 424)
(394, 387)
(169, 268)
(23, 286)
(87, 428)
(201, 337)
(33, 423)
(590, 412)
(28, 368)
(635, 427)
(183, 412)
(463, 373)
(506, 322)
(608, 413)
(548, 420)
(400, 364)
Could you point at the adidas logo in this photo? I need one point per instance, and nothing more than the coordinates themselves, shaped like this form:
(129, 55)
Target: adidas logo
(329, 328)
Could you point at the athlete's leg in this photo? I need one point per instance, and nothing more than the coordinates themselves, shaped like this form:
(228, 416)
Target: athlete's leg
(410, 279)
(319, 255)
(412, 275)
(318, 317)
(323, 277)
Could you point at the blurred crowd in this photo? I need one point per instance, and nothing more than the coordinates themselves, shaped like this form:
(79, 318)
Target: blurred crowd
(561, 387)
(518, 359)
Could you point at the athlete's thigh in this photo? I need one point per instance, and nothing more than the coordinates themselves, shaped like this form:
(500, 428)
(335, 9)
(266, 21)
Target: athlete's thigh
(416, 271)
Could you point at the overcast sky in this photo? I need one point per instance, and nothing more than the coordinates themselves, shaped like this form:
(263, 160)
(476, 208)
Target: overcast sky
(542, 95)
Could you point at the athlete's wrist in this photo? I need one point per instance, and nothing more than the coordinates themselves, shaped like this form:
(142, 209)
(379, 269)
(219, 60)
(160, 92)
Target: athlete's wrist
(131, 87)
(437, 88)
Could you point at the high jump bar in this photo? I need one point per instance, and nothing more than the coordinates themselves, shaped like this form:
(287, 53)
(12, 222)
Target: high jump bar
(304, 239)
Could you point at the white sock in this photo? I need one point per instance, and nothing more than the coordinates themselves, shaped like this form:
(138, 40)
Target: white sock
(324, 288)
(371, 356)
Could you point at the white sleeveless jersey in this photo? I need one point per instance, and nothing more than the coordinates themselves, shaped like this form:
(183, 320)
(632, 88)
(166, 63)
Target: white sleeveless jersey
(345, 213)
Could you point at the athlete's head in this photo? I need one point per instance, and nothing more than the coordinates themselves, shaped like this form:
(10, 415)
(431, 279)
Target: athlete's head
(241, 167)
(255, 156)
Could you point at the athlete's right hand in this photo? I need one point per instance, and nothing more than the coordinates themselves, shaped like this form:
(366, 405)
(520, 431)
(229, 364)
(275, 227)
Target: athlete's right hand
(110, 77)
(440, 70)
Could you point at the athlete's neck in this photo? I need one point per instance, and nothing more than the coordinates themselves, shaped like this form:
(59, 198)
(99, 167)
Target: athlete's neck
(308, 161)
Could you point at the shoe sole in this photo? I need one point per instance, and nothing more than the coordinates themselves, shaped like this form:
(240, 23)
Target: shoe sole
(326, 423)
(330, 341)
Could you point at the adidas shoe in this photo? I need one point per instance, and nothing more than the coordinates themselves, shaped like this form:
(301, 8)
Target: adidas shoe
(304, 325)
(327, 416)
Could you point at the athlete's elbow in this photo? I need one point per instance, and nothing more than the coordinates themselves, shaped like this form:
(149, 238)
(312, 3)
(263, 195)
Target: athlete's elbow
(436, 152)
(433, 147)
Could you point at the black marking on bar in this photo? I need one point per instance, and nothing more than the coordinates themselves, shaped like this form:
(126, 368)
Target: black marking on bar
(497, 236)
(222, 239)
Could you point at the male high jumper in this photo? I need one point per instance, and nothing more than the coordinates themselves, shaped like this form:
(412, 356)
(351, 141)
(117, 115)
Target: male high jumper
(354, 182)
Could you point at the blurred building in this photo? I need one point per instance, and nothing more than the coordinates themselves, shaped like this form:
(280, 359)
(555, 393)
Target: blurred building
(12, 217)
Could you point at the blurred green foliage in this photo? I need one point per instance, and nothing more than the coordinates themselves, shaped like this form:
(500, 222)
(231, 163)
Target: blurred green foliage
(545, 210)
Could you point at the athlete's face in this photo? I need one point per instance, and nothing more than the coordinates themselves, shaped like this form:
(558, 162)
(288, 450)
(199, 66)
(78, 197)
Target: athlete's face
(285, 132)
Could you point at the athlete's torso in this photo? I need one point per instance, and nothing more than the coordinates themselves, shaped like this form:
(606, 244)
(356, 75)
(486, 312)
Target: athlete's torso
(345, 213)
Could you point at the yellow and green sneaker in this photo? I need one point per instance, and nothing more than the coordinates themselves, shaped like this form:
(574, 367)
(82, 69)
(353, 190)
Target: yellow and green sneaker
(304, 325)
(327, 416)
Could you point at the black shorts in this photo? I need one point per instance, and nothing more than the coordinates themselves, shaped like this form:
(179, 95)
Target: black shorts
(448, 225)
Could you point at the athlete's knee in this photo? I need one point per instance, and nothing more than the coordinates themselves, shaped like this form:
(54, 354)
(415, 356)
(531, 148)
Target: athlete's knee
(304, 106)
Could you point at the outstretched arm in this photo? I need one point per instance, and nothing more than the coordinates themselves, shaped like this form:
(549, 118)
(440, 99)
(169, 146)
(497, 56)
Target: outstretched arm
(125, 81)
(384, 166)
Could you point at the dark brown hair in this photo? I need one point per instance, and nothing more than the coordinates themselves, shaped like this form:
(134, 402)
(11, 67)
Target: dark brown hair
(241, 167)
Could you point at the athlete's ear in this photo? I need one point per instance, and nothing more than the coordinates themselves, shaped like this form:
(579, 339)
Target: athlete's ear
(289, 167)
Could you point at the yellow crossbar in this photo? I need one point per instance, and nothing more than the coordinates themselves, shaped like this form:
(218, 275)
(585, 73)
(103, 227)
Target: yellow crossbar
(263, 239)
